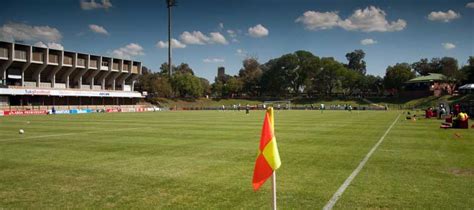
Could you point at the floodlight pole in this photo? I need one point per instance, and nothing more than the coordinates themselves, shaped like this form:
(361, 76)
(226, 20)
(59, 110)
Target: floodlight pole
(169, 3)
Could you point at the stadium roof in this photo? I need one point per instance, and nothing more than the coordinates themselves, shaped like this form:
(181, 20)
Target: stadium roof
(431, 77)
(467, 87)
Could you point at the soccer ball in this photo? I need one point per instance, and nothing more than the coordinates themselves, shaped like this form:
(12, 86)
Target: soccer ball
(21, 131)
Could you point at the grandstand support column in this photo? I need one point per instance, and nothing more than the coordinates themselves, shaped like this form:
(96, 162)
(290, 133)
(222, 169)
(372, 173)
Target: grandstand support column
(102, 79)
(78, 77)
(37, 73)
(133, 79)
(112, 78)
(121, 79)
(90, 78)
(52, 76)
(65, 77)
(26, 65)
(7, 64)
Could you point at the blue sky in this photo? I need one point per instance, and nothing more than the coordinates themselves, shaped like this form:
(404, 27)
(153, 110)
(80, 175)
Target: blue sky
(223, 32)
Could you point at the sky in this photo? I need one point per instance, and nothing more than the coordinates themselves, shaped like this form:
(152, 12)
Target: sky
(212, 33)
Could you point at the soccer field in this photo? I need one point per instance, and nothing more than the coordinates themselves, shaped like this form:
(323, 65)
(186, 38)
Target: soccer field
(205, 159)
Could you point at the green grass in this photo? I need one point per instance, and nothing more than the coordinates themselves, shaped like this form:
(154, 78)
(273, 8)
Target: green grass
(205, 159)
(217, 103)
(392, 102)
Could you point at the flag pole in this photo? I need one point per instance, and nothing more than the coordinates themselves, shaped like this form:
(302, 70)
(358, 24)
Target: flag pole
(274, 192)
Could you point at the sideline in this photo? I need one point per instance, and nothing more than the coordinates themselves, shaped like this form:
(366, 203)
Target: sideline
(349, 179)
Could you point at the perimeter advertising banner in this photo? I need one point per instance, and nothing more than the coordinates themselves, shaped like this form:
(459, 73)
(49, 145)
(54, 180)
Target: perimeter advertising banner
(27, 112)
(46, 92)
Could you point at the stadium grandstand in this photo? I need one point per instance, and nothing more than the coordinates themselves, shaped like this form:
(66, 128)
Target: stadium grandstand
(41, 79)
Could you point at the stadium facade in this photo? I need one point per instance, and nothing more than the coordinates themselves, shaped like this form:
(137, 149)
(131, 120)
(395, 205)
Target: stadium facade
(40, 77)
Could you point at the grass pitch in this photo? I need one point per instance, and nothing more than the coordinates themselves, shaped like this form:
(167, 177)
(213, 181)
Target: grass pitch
(205, 159)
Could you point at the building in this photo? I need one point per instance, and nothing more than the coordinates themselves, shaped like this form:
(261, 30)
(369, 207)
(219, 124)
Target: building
(36, 76)
(431, 84)
(220, 71)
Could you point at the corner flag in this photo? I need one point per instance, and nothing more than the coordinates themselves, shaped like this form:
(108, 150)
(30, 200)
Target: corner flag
(268, 159)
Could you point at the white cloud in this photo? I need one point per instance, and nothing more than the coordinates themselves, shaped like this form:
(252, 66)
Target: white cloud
(368, 42)
(91, 4)
(448, 46)
(258, 31)
(98, 29)
(241, 52)
(52, 45)
(319, 20)
(198, 38)
(369, 19)
(443, 16)
(40, 44)
(232, 33)
(213, 60)
(470, 5)
(218, 38)
(129, 51)
(174, 44)
(24, 32)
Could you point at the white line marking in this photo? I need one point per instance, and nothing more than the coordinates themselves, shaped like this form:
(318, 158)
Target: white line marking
(69, 134)
(349, 179)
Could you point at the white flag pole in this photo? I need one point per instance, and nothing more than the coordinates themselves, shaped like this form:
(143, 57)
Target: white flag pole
(274, 192)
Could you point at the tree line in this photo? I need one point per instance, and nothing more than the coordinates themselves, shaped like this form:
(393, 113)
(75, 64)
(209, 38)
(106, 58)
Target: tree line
(299, 74)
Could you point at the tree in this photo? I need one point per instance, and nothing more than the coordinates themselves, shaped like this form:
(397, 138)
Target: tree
(280, 75)
(183, 68)
(350, 80)
(372, 84)
(449, 68)
(308, 67)
(329, 77)
(187, 85)
(397, 75)
(356, 61)
(164, 69)
(233, 86)
(155, 84)
(422, 67)
(468, 71)
(218, 88)
(160, 86)
(291, 73)
(206, 86)
(250, 76)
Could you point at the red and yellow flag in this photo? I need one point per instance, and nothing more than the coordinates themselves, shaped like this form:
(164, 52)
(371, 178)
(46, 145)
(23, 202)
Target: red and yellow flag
(268, 159)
